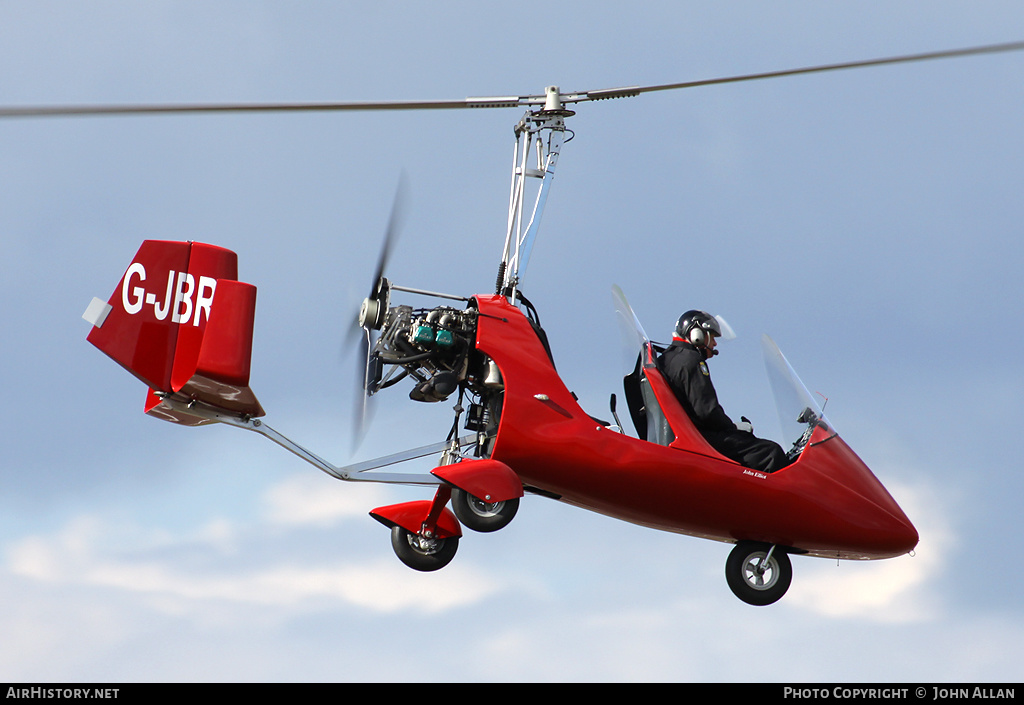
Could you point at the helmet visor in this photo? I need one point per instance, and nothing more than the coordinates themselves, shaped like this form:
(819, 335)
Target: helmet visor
(725, 331)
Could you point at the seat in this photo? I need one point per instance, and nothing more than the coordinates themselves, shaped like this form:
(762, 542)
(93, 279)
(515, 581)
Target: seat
(657, 414)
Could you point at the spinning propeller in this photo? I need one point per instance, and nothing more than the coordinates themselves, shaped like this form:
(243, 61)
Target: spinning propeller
(372, 314)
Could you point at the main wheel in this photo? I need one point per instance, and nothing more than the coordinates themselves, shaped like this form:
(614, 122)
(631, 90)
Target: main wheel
(420, 553)
(480, 515)
(755, 578)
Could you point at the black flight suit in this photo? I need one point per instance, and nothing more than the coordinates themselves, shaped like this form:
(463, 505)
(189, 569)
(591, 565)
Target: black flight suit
(686, 371)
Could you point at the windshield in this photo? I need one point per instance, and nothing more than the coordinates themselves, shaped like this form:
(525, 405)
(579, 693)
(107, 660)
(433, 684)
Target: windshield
(796, 406)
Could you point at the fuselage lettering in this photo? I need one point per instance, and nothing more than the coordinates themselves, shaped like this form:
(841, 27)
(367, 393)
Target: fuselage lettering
(136, 305)
(183, 299)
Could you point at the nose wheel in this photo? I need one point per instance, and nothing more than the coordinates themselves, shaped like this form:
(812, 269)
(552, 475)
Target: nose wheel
(758, 573)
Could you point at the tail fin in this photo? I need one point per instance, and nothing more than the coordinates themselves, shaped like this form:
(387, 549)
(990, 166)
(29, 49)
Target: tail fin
(182, 323)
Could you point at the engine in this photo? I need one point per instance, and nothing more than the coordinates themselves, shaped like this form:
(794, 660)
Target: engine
(435, 347)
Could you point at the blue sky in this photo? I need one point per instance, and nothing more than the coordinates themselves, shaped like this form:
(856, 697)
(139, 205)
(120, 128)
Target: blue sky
(868, 221)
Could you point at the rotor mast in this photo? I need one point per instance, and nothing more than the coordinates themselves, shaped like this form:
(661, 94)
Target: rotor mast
(539, 138)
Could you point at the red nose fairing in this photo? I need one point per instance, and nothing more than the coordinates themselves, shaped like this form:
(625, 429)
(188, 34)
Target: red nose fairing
(828, 503)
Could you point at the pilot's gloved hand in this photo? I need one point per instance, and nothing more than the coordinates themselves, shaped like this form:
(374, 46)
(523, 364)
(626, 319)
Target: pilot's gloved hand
(745, 425)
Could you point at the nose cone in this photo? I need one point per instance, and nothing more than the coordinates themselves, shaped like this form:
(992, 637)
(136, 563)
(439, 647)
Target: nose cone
(909, 537)
(866, 522)
(892, 533)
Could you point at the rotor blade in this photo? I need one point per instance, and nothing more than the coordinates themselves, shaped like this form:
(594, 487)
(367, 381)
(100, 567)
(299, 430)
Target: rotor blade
(171, 109)
(909, 58)
(479, 102)
(493, 101)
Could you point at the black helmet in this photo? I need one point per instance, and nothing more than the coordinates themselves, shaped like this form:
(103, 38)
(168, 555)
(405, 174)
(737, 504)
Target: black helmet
(695, 326)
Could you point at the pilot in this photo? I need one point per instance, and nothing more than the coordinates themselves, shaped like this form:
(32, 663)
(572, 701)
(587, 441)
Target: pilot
(684, 364)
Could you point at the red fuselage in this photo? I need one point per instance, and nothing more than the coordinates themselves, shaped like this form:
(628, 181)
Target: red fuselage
(827, 503)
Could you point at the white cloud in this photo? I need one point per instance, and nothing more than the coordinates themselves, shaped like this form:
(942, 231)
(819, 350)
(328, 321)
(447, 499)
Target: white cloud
(892, 590)
(261, 598)
(140, 561)
(311, 500)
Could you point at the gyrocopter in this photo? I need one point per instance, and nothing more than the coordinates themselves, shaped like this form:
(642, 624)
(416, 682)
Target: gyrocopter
(181, 321)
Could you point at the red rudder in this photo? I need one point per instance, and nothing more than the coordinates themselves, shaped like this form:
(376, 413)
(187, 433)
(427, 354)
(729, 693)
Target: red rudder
(182, 323)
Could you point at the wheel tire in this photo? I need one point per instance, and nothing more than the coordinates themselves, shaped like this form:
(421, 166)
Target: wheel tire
(747, 583)
(422, 554)
(482, 516)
